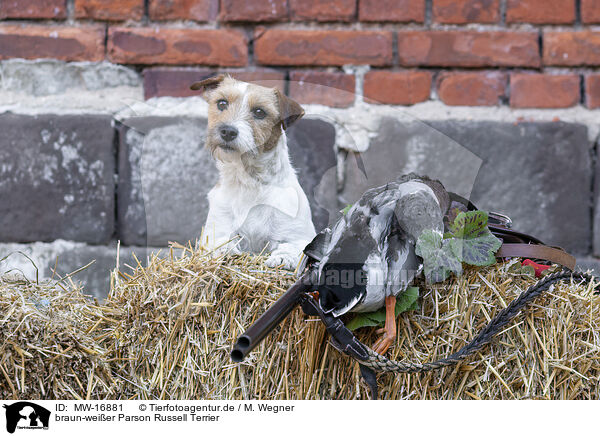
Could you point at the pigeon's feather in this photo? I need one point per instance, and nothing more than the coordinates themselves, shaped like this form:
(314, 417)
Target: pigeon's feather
(317, 248)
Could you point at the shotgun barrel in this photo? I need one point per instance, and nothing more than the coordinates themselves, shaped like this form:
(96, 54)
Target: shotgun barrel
(271, 318)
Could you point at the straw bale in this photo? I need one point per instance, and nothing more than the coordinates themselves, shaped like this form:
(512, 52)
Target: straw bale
(166, 331)
(47, 345)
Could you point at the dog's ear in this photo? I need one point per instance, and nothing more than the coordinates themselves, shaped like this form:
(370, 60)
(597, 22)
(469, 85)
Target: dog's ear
(289, 110)
(208, 84)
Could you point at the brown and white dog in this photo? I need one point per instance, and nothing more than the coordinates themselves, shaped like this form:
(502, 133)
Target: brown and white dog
(257, 201)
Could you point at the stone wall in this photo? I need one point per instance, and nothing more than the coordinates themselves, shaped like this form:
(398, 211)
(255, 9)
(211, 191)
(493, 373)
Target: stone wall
(102, 138)
(73, 184)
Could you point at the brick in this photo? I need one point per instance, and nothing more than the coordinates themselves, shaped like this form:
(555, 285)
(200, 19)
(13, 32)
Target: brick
(392, 10)
(84, 43)
(323, 10)
(592, 91)
(471, 89)
(323, 47)
(540, 11)
(468, 48)
(109, 10)
(590, 11)
(56, 178)
(197, 10)
(572, 48)
(466, 11)
(253, 10)
(544, 91)
(321, 87)
(402, 87)
(33, 9)
(177, 46)
(175, 82)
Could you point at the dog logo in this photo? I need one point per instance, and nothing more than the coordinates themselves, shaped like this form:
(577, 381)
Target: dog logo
(26, 415)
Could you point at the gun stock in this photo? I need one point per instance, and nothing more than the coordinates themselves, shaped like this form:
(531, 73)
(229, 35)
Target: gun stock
(270, 319)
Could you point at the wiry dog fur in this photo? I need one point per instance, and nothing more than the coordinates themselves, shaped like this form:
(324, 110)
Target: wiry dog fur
(257, 201)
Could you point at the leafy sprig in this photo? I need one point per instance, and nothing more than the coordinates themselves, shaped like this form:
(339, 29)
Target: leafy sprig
(404, 302)
(468, 240)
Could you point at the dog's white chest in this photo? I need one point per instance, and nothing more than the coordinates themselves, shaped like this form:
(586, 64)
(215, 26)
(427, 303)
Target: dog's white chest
(258, 215)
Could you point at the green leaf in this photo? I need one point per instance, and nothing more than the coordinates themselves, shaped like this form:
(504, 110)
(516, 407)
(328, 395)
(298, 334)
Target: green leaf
(346, 209)
(404, 302)
(408, 300)
(528, 270)
(453, 213)
(515, 268)
(439, 260)
(468, 224)
(472, 242)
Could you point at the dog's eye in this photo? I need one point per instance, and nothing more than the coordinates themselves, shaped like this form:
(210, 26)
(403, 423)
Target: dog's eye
(259, 113)
(222, 104)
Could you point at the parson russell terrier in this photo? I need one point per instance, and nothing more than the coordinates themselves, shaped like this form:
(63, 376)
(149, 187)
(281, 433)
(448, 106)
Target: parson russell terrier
(257, 201)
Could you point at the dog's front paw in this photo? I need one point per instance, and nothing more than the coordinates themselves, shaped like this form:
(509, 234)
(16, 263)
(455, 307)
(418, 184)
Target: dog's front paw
(282, 258)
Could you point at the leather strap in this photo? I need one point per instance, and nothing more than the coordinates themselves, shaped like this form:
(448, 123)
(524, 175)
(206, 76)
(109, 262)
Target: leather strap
(517, 244)
(536, 251)
(512, 236)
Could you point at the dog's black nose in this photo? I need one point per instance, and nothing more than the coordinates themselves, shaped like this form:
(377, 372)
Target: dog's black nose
(228, 133)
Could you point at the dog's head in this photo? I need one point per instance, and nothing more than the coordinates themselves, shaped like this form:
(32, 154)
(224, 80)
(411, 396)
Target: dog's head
(243, 117)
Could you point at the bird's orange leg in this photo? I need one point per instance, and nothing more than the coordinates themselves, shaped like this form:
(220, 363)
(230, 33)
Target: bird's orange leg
(389, 331)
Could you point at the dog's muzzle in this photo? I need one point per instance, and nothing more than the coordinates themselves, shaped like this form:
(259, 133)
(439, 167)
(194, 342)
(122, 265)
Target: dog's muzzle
(228, 133)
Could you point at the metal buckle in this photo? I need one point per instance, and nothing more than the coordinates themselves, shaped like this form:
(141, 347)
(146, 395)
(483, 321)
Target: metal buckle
(503, 219)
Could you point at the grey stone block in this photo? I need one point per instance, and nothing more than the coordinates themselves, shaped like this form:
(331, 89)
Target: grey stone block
(56, 178)
(589, 263)
(537, 173)
(404, 147)
(164, 176)
(311, 145)
(58, 259)
(95, 279)
(51, 77)
(540, 174)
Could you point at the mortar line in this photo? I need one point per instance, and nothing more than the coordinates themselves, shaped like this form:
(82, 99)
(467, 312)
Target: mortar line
(428, 14)
(146, 16)
(70, 9)
(503, 13)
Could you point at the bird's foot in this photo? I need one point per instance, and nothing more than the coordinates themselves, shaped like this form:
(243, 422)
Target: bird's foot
(389, 330)
(385, 342)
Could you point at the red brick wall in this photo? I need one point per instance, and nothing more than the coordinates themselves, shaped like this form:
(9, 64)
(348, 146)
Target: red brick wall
(521, 53)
